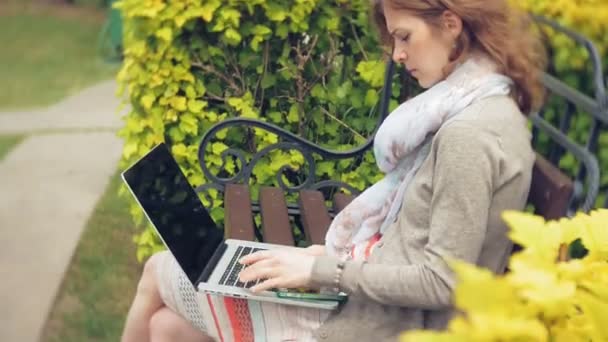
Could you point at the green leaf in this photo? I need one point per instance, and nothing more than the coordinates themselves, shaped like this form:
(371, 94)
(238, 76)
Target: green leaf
(233, 37)
(209, 8)
(372, 72)
(178, 103)
(282, 31)
(261, 30)
(318, 91)
(343, 90)
(129, 149)
(217, 148)
(196, 106)
(356, 99)
(147, 100)
(176, 134)
(275, 12)
(392, 104)
(275, 116)
(188, 123)
(231, 16)
(293, 115)
(268, 81)
(165, 34)
(333, 24)
(190, 92)
(179, 150)
(327, 168)
(371, 98)
(135, 125)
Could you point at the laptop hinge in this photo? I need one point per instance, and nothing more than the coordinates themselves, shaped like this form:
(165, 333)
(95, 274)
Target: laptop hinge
(215, 258)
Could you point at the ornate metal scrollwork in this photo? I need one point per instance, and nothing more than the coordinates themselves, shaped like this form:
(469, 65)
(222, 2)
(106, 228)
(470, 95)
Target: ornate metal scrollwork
(587, 181)
(288, 141)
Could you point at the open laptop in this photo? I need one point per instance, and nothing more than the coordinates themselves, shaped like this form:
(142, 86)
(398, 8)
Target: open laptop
(185, 227)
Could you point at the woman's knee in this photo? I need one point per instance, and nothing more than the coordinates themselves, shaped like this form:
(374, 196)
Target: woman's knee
(166, 325)
(148, 282)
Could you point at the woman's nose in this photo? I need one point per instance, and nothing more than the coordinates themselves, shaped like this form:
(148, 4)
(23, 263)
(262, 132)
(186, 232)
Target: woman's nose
(399, 56)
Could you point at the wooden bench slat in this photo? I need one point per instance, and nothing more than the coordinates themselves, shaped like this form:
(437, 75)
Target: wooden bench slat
(550, 190)
(341, 200)
(315, 217)
(275, 220)
(238, 214)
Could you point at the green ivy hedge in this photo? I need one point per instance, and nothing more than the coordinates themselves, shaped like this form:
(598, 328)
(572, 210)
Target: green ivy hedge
(313, 67)
(571, 63)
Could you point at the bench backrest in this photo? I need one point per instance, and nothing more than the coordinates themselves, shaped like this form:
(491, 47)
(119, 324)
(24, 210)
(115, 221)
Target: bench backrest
(550, 191)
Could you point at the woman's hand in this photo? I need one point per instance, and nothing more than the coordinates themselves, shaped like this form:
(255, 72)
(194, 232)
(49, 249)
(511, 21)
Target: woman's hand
(281, 268)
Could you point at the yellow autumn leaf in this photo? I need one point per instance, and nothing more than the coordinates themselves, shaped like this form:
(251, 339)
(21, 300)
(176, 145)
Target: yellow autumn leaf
(165, 34)
(498, 327)
(597, 311)
(293, 115)
(147, 101)
(595, 280)
(218, 147)
(574, 329)
(179, 150)
(129, 149)
(476, 285)
(178, 103)
(541, 286)
(196, 106)
(532, 232)
(209, 9)
(595, 233)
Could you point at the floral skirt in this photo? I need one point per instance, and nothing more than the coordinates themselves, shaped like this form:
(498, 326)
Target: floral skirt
(234, 319)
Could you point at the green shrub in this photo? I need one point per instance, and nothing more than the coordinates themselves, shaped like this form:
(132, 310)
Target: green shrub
(312, 67)
(571, 63)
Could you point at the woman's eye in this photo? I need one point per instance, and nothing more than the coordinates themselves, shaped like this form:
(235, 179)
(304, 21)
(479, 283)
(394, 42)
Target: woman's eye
(405, 39)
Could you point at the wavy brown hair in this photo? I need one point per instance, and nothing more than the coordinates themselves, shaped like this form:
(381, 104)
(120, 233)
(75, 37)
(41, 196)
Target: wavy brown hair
(492, 26)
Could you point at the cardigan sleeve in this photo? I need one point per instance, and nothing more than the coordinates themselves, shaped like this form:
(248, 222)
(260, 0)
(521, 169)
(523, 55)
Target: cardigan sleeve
(467, 161)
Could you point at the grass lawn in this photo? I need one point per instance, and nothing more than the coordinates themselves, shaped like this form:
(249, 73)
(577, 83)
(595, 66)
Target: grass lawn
(101, 280)
(7, 142)
(48, 52)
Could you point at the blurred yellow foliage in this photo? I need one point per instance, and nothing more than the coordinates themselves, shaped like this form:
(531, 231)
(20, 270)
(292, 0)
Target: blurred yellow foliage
(587, 17)
(541, 298)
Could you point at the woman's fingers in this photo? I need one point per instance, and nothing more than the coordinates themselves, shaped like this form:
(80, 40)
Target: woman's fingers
(278, 268)
(268, 284)
(255, 257)
(262, 269)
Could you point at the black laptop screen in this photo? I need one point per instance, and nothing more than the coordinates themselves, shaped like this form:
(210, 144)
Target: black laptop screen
(174, 209)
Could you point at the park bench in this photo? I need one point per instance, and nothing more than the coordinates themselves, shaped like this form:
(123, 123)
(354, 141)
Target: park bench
(552, 193)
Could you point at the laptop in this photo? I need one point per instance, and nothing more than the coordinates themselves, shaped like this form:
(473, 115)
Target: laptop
(190, 234)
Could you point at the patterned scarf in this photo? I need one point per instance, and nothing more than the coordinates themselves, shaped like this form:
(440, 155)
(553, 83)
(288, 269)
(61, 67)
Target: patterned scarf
(401, 145)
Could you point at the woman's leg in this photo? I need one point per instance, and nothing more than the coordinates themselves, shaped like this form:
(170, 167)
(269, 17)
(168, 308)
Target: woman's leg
(147, 301)
(145, 319)
(166, 326)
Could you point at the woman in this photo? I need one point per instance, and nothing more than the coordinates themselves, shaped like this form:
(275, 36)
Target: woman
(455, 157)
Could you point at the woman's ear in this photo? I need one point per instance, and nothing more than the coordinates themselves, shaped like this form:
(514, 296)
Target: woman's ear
(451, 23)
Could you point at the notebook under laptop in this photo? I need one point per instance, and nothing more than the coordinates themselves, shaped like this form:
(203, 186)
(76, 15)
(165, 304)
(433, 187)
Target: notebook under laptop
(188, 231)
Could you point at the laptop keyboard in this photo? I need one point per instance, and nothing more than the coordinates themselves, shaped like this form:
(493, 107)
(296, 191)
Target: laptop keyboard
(231, 275)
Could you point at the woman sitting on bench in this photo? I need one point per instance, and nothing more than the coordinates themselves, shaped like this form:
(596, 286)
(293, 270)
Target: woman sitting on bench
(455, 157)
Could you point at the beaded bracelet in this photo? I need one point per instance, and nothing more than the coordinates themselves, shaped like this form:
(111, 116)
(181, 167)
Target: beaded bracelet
(339, 271)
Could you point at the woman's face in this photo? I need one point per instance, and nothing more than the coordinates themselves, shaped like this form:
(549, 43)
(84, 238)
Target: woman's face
(424, 50)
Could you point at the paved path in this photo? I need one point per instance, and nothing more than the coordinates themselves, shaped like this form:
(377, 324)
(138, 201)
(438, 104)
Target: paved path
(50, 185)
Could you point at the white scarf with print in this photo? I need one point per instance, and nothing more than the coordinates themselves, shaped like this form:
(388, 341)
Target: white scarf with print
(401, 145)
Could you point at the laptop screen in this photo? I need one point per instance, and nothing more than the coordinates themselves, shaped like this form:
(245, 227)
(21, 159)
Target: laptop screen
(174, 209)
